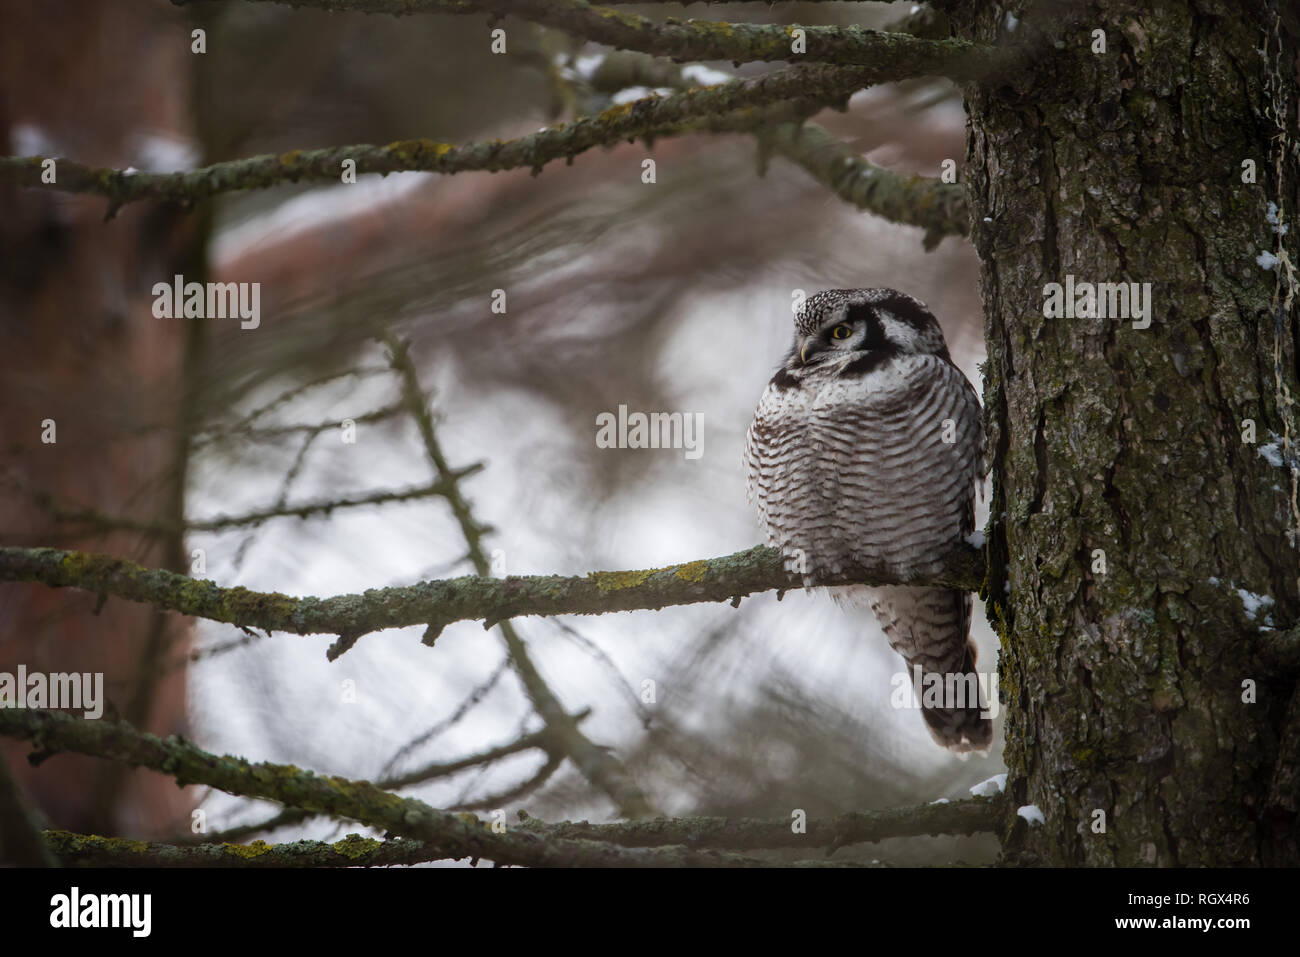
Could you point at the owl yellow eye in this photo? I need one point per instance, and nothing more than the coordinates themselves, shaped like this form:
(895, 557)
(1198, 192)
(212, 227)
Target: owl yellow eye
(841, 332)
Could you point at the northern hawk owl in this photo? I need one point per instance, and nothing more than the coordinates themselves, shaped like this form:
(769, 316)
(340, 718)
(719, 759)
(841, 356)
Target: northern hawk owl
(866, 449)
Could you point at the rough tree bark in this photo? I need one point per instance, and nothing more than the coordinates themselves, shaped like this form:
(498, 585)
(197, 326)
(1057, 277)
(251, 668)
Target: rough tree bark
(1124, 681)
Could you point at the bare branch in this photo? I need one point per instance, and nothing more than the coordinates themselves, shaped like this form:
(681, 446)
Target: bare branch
(543, 739)
(475, 696)
(289, 395)
(938, 208)
(272, 432)
(524, 788)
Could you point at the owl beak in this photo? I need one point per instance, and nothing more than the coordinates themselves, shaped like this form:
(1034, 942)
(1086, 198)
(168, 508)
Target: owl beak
(803, 351)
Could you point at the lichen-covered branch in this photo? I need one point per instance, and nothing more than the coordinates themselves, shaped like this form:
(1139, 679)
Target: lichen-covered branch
(967, 816)
(544, 739)
(675, 836)
(90, 850)
(822, 84)
(896, 56)
(441, 602)
(451, 836)
(643, 843)
(939, 208)
(85, 850)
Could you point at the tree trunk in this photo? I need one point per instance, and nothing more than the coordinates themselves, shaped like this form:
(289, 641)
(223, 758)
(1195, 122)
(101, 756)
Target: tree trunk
(81, 350)
(1143, 544)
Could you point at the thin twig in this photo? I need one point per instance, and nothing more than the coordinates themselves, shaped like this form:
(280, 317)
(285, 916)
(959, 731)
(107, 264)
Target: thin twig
(598, 765)
(104, 521)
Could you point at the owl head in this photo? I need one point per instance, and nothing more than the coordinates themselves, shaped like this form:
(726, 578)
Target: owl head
(870, 326)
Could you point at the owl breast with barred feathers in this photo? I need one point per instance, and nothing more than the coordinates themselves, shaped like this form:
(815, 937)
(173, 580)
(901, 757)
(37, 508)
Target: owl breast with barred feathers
(866, 449)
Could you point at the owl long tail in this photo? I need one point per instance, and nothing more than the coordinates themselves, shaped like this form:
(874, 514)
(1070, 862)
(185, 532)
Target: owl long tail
(929, 627)
(959, 728)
